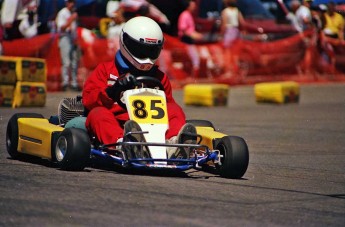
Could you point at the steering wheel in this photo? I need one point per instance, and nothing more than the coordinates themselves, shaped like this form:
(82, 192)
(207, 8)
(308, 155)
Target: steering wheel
(150, 81)
(146, 81)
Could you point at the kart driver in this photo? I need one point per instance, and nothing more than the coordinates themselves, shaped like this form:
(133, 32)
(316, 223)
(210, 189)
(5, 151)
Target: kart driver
(141, 41)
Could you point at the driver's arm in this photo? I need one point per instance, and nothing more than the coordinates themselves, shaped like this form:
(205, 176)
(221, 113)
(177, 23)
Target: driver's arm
(94, 92)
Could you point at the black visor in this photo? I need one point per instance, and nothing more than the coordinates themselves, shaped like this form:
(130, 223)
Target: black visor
(140, 49)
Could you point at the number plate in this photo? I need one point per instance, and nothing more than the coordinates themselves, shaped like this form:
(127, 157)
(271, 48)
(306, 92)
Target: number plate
(148, 109)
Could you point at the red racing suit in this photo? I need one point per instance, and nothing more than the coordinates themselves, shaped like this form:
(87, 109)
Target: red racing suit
(106, 118)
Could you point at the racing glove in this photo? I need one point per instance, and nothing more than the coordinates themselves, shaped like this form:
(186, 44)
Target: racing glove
(123, 83)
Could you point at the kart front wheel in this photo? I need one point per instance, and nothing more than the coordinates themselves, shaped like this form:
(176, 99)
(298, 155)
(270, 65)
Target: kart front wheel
(12, 133)
(234, 157)
(72, 149)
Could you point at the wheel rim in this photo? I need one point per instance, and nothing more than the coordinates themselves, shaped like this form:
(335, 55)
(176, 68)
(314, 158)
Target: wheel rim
(8, 139)
(61, 148)
(8, 143)
(221, 149)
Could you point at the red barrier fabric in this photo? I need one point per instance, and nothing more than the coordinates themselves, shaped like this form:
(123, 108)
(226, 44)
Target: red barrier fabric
(299, 57)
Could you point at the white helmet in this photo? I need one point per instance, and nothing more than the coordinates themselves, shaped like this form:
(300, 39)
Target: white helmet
(141, 41)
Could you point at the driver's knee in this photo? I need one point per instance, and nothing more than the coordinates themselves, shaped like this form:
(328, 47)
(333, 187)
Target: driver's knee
(102, 123)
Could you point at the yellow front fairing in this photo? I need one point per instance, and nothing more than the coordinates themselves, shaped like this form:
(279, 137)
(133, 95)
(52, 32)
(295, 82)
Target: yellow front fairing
(36, 136)
(208, 135)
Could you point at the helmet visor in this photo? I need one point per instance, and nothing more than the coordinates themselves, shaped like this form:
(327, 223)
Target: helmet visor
(140, 49)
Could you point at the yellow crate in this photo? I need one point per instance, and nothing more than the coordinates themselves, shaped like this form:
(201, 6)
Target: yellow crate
(206, 94)
(8, 73)
(29, 94)
(277, 92)
(22, 69)
(6, 95)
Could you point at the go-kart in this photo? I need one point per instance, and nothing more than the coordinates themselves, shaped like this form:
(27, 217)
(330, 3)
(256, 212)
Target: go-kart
(64, 139)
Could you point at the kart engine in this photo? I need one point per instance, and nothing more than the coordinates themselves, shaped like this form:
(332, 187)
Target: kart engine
(70, 108)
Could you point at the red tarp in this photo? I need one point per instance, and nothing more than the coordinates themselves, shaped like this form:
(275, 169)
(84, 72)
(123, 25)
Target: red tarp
(255, 60)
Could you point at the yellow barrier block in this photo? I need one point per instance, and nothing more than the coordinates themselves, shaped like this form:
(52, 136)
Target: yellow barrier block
(206, 94)
(8, 67)
(277, 92)
(6, 95)
(29, 94)
(14, 69)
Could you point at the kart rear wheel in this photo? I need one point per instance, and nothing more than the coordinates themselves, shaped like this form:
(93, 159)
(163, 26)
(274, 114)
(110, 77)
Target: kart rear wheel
(72, 149)
(201, 123)
(235, 157)
(12, 133)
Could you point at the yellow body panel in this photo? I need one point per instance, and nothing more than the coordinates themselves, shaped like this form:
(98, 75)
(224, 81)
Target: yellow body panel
(35, 136)
(6, 95)
(277, 92)
(22, 69)
(206, 94)
(208, 134)
(29, 94)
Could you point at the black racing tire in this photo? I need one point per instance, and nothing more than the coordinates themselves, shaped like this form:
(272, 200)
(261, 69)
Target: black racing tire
(72, 149)
(200, 123)
(12, 133)
(235, 157)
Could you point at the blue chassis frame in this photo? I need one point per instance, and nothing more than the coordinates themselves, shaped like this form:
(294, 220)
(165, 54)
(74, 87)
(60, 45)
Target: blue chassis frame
(148, 163)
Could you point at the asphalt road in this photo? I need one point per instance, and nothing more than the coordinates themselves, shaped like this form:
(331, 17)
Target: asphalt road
(296, 174)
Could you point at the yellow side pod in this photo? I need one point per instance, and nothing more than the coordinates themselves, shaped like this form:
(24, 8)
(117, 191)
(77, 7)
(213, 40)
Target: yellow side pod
(36, 136)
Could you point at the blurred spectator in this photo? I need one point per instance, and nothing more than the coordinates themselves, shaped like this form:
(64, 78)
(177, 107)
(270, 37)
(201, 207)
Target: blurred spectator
(302, 15)
(332, 34)
(143, 8)
(114, 30)
(15, 12)
(188, 34)
(29, 23)
(115, 26)
(111, 7)
(66, 22)
(186, 25)
(334, 23)
(317, 14)
(231, 19)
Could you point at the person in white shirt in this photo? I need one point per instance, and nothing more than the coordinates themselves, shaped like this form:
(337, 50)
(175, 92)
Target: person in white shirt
(302, 15)
(231, 19)
(28, 25)
(66, 23)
